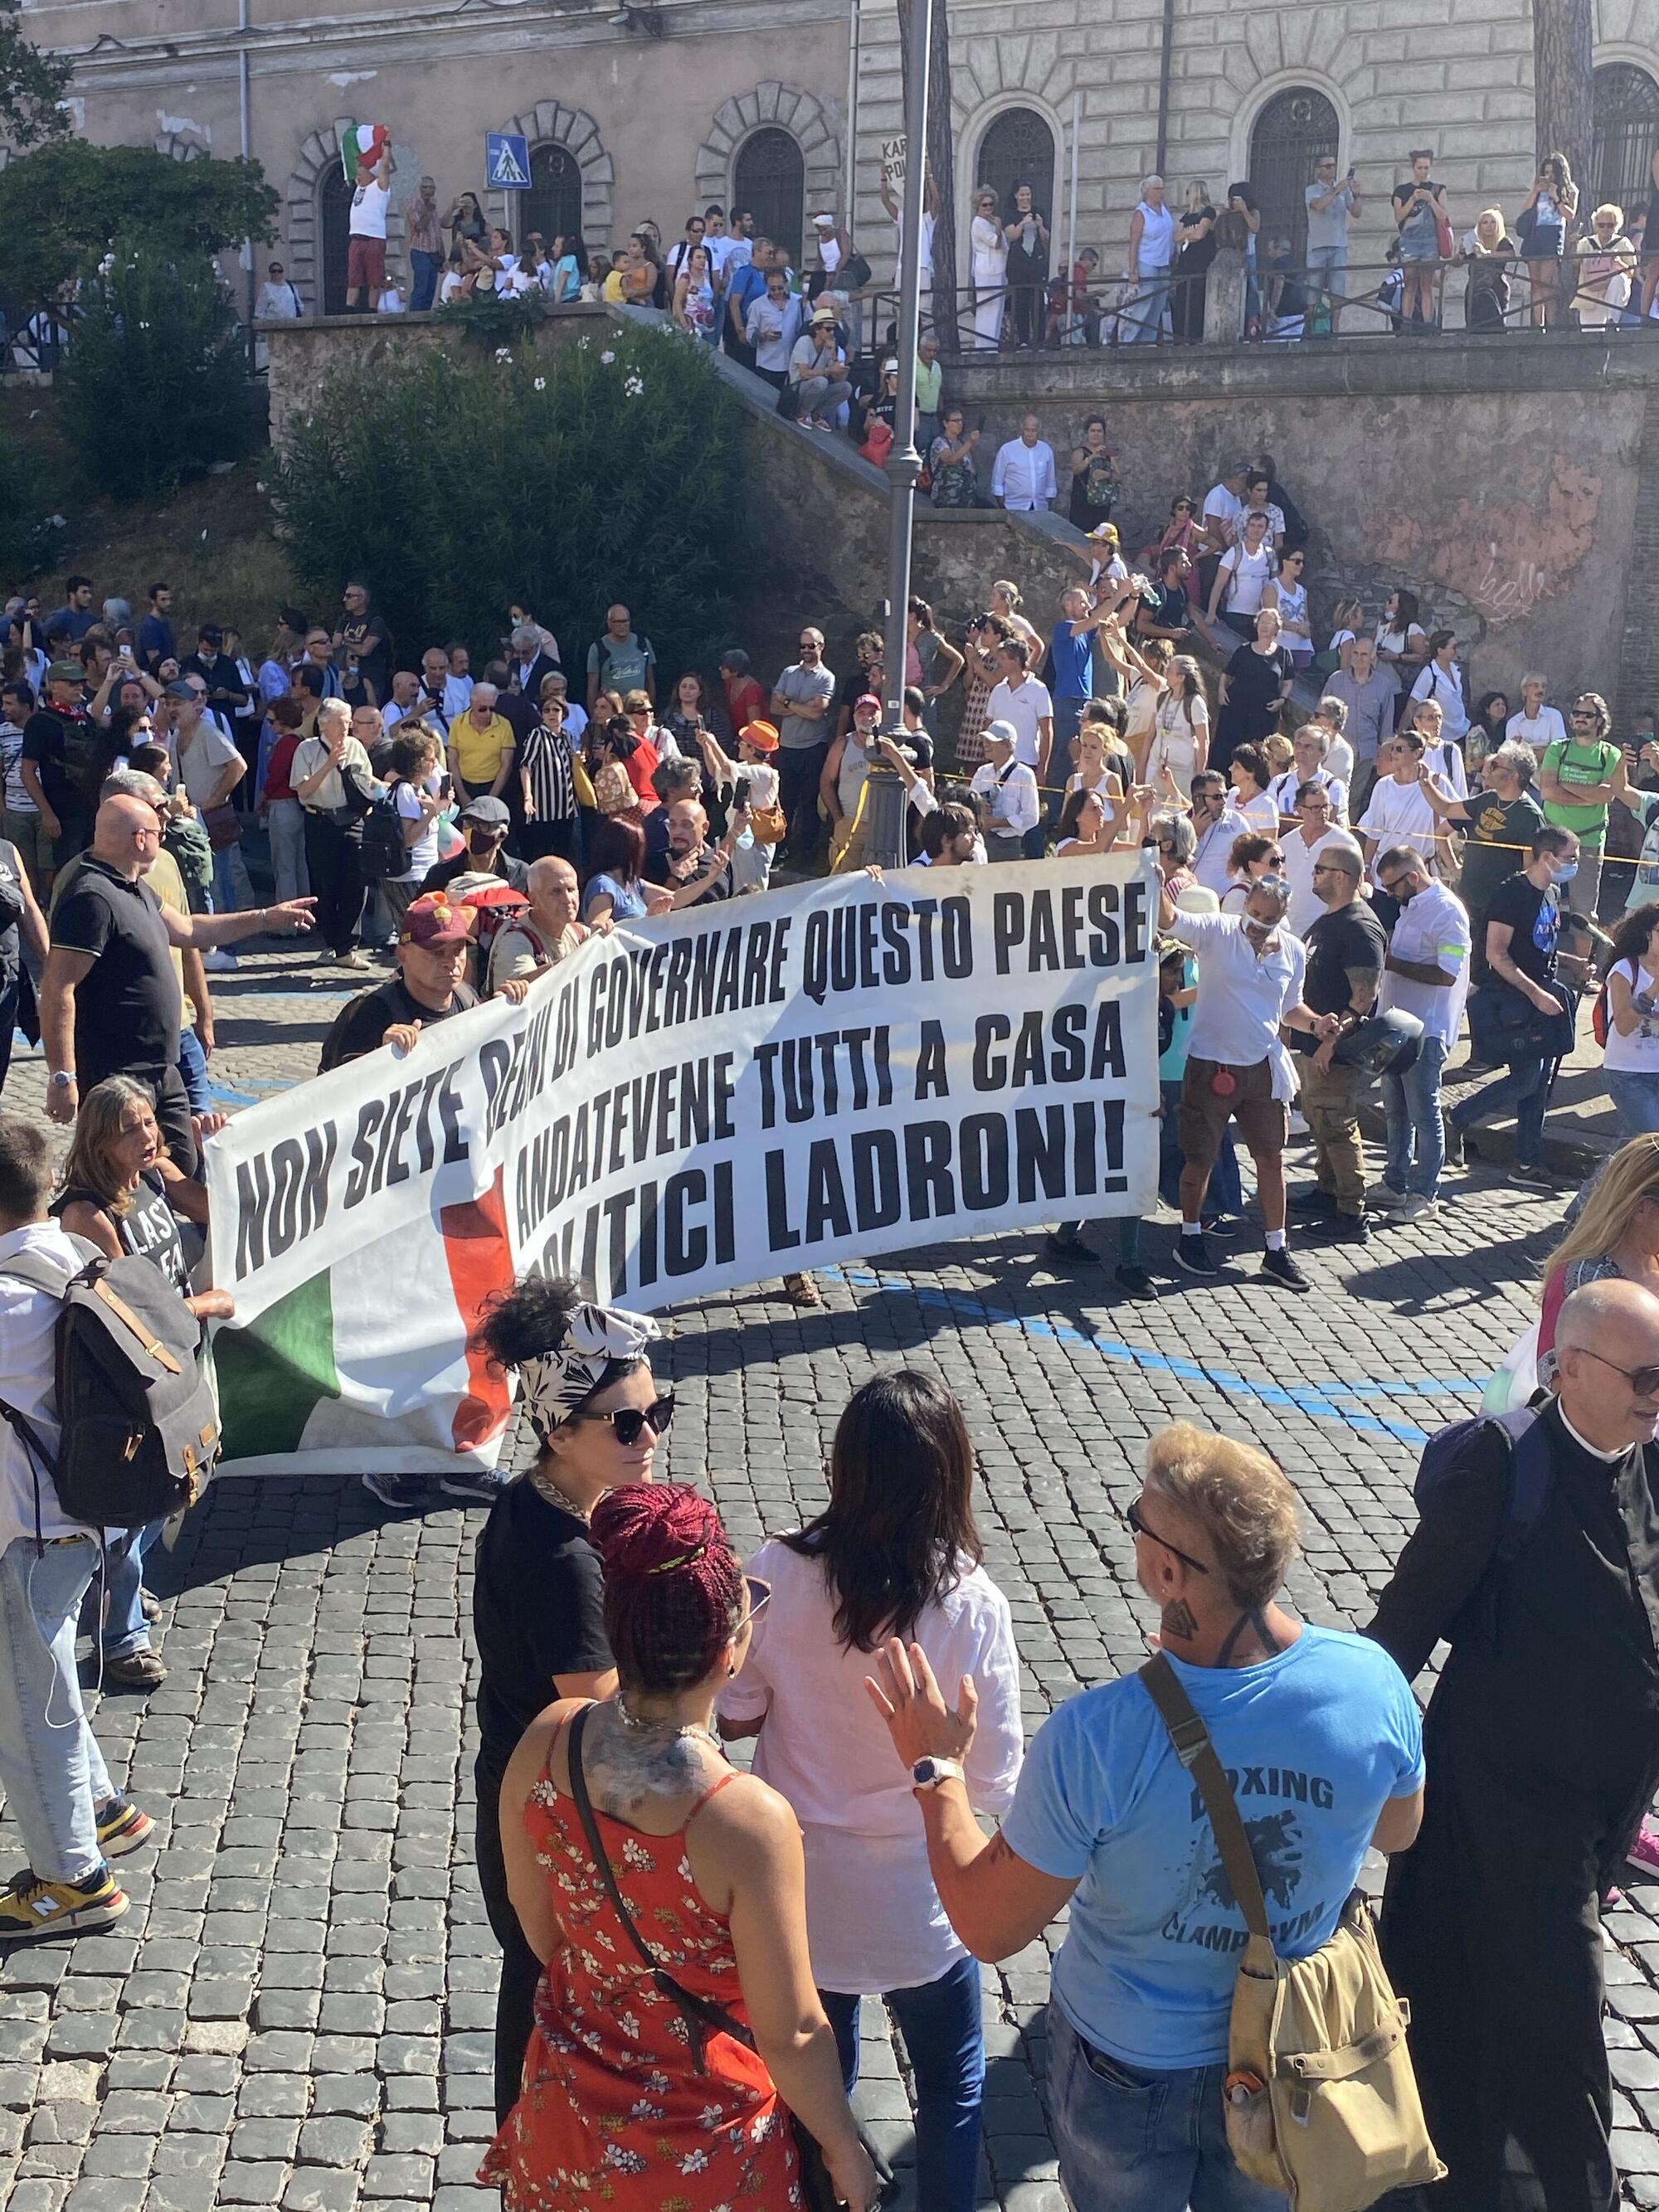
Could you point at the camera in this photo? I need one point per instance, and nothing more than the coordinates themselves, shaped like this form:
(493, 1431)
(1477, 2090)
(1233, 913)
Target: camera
(740, 794)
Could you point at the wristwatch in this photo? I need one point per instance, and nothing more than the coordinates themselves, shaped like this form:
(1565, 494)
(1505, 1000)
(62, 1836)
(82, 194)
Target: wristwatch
(928, 1773)
(62, 1078)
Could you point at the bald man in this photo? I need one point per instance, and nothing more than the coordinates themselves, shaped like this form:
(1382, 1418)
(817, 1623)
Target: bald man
(110, 1002)
(1542, 1743)
(548, 932)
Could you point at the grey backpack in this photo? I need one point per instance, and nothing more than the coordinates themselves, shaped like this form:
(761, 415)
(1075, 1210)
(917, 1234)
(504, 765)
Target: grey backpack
(139, 1425)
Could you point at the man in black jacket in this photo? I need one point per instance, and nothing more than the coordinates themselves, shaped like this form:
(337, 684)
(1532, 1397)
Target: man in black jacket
(1542, 1748)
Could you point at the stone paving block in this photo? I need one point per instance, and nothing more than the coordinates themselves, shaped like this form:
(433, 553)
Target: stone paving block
(260, 2184)
(320, 2189)
(182, 2192)
(387, 2175)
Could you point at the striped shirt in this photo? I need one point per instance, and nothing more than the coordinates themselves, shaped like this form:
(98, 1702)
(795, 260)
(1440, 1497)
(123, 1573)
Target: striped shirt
(546, 756)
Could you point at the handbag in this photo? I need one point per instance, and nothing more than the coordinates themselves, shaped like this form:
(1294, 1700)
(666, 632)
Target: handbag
(1505, 1025)
(702, 2016)
(1375, 1044)
(223, 825)
(1320, 2099)
(1442, 234)
(768, 825)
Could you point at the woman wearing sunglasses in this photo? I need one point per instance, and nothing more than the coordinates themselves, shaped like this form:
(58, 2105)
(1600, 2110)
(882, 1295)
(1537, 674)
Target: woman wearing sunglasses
(895, 1552)
(1252, 857)
(658, 1885)
(537, 1599)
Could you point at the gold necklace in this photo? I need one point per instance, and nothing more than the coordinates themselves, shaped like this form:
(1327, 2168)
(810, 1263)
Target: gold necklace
(544, 1486)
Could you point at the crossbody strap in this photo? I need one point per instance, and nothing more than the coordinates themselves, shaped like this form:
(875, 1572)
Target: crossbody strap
(1196, 1753)
(701, 2014)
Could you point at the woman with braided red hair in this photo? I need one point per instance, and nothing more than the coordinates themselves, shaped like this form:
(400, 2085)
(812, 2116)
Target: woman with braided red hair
(623, 1826)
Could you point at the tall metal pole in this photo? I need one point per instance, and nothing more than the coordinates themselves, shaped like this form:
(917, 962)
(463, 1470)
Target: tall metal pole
(885, 801)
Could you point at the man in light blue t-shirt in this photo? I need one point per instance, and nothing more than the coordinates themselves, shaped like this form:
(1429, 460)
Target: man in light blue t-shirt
(1319, 1734)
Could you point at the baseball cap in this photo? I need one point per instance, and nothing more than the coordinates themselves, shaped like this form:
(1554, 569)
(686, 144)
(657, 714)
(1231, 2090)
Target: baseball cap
(869, 699)
(178, 689)
(1105, 533)
(824, 221)
(490, 813)
(433, 922)
(1002, 732)
(65, 671)
(761, 735)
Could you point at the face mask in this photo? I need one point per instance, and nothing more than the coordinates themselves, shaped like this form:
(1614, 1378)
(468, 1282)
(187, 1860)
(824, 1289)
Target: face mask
(1565, 875)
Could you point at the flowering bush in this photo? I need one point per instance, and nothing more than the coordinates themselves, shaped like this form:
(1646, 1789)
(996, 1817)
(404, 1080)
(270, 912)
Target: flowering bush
(456, 486)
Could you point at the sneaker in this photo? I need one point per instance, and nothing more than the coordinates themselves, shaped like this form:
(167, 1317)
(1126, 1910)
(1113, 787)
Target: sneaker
(218, 960)
(1383, 1198)
(30, 1909)
(1280, 1267)
(1193, 1254)
(1313, 1203)
(405, 1493)
(1534, 1174)
(122, 1828)
(1456, 1148)
(1300, 1124)
(1643, 1853)
(1133, 1282)
(481, 1486)
(1219, 1224)
(1068, 1247)
(1341, 1229)
(349, 960)
(1418, 1205)
(138, 1670)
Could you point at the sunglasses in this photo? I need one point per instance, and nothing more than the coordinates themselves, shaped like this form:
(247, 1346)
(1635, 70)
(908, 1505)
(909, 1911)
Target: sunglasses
(1133, 1516)
(627, 1421)
(1644, 1380)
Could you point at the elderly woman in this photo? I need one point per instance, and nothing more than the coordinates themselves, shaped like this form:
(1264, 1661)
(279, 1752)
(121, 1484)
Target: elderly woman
(989, 246)
(1488, 253)
(1607, 269)
(1151, 257)
(1255, 684)
(951, 462)
(1174, 844)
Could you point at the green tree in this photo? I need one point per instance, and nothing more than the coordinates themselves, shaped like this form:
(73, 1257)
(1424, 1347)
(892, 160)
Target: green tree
(32, 85)
(31, 530)
(61, 205)
(615, 465)
(155, 385)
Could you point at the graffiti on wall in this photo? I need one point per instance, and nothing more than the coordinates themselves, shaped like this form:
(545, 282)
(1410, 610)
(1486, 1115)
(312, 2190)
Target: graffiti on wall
(1502, 555)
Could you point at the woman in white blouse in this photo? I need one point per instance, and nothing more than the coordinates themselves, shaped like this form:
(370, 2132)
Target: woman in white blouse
(990, 251)
(1241, 577)
(1289, 593)
(895, 1552)
(1401, 643)
(1441, 679)
(1180, 736)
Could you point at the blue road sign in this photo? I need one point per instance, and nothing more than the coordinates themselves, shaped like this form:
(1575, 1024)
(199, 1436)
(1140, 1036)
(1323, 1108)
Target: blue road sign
(506, 162)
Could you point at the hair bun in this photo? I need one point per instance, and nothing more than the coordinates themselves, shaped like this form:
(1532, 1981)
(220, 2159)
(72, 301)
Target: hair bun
(653, 1527)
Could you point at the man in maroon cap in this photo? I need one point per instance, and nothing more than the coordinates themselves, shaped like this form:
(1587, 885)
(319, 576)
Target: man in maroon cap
(429, 986)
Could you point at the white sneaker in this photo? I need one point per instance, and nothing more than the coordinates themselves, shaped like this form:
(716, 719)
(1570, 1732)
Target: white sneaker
(1383, 1198)
(1298, 1123)
(1417, 1205)
(349, 960)
(217, 960)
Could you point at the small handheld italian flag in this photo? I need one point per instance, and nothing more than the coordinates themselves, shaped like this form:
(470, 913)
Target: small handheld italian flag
(362, 142)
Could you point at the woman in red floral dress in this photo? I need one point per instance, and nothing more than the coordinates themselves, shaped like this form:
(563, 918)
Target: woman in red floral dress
(616, 2112)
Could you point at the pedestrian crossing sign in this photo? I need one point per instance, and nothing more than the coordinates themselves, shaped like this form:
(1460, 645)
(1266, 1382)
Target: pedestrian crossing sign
(506, 162)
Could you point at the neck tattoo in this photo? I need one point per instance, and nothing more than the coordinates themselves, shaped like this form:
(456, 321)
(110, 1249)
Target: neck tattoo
(1179, 1621)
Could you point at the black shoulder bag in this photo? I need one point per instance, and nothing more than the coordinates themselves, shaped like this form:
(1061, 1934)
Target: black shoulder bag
(702, 2016)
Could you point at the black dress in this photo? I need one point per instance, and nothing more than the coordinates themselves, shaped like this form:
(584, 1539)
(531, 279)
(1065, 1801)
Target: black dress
(1542, 1748)
(1192, 268)
(1253, 683)
(538, 1612)
(1028, 278)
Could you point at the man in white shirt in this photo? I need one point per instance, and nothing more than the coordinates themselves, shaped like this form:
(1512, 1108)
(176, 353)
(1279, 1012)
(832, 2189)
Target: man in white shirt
(1018, 699)
(366, 243)
(1216, 822)
(1311, 743)
(1537, 725)
(772, 326)
(1223, 503)
(56, 1786)
(1398, 813)
(1302, 848)
(406, 699)
(1426, 974)
(1250, 973)
(1023, 476)
(1007, 794)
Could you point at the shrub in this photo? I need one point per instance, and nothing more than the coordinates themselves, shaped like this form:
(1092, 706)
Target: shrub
(155, 384)
(613, 466)
(31, 527)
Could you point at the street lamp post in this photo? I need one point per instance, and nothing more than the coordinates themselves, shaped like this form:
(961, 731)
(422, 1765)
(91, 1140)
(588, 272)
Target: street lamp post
(886, 798)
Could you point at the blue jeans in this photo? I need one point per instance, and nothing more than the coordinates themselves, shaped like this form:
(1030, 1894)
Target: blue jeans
(944, 2033)
(232, 887)
(1635, 1099)
(1225, 1193)
(193, 1071)
(125, 1629)
(424, 269)
(51, 1767)
(1132, 2140)
(1410, 1099)
(1145, 315)
(1525, 1086)
(1330, 263)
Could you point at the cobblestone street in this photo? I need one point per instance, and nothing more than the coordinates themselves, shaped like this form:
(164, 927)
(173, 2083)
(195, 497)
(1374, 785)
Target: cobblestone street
(297, 2011)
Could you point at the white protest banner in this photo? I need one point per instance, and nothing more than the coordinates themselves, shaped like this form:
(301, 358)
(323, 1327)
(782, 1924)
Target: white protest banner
(822, 1074)
(892, 160)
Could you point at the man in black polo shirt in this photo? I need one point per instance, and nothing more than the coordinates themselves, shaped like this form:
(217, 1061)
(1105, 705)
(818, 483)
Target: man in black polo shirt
(429, 985)
(109, 999)
(57, 743)
(1345, 952)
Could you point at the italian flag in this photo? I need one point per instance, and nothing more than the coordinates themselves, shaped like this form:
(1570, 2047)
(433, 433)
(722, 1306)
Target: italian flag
(360, 142)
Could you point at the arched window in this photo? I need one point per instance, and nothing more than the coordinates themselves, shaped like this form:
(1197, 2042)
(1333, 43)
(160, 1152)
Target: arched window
(769, 179)
(553, 206)
(1293, 132)
(1626, 132)
(1018, 148)
(334, 222)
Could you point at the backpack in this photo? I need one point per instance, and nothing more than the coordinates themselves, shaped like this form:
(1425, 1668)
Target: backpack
(385, 853)
(139, 1424)
(193, 850)
(1320, 2100)
(1531, 1478)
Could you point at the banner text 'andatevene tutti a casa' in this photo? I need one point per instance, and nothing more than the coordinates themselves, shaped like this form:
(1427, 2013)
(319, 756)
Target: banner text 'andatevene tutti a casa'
(822, 1074)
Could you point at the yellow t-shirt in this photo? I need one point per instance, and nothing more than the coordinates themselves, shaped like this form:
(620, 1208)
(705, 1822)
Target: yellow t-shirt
(612, 290)
(478, 752)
